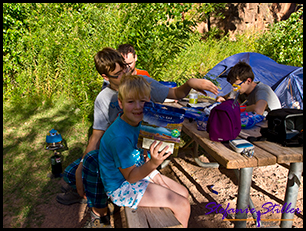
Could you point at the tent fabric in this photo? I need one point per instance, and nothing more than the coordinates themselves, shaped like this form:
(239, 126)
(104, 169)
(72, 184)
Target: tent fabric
(278, 76)
(290, 90)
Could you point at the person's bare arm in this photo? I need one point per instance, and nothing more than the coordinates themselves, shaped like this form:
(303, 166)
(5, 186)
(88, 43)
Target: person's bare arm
(222, 98)
(94, 141)
(200, 85)
(134, 174)
(93, 144)
(258, 108)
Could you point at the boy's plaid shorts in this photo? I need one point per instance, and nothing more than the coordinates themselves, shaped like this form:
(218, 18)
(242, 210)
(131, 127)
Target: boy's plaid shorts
(92, 182)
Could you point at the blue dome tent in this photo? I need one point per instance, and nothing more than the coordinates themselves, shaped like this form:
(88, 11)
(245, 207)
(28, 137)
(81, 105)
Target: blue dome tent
(286, 81)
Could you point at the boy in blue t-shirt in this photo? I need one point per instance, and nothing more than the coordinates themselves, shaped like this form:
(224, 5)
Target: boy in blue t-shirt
(129, 178)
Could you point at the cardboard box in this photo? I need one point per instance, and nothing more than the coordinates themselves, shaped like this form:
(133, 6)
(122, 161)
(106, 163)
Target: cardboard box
(161, 123)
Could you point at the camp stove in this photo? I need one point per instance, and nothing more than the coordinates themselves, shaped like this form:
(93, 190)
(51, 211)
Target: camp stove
(55, 143)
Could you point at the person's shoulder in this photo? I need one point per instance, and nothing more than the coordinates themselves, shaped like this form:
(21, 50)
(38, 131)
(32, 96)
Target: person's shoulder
(262, 86)
(114, 132)
(105, 93)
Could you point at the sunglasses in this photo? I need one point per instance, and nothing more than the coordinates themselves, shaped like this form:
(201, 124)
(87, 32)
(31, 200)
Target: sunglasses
(125, 70)
(237, 86)
(241, 83)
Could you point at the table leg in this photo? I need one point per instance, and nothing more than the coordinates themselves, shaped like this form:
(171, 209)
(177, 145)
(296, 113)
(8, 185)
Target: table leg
(251, 204)
(244, 185)
(200, 163)
(293, 183)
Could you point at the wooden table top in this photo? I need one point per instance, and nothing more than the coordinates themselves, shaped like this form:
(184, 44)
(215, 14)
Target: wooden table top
(265, 152)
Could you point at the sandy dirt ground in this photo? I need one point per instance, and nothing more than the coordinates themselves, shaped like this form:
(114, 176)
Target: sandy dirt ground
(268, 185)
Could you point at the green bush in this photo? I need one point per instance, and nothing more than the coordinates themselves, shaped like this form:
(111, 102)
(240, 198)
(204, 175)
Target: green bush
(55, 43)
(157, 32)
(200, 57)
(284, 42)
(48, 48)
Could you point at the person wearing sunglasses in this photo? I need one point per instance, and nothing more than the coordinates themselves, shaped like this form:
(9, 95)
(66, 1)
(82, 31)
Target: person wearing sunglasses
(129, 54)
(130, 57)
(260, 97)
(82, 175)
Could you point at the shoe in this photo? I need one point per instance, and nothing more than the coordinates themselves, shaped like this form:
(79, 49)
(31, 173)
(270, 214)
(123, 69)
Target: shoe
(70, 197)
(98, 222)
(66, 188)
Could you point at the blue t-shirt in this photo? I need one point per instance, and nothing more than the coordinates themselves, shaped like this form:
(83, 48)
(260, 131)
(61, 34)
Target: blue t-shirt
(118, 148)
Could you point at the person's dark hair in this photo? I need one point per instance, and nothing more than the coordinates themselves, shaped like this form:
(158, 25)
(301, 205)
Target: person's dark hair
(241, 71)
(105, 60)
(124, 49)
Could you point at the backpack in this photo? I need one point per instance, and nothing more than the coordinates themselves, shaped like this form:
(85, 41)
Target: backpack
(224, 121)
(285, 126)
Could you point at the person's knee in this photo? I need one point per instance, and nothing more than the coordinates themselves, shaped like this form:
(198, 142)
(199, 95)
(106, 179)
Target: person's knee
(182, 204)
(185, 193)
(186, 204)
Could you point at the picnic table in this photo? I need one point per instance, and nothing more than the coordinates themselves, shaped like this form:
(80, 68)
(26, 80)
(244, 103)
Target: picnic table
(265, 153)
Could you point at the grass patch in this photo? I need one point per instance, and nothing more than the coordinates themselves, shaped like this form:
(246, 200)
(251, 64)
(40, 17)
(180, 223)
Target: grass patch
(201, 56)
(26, 163)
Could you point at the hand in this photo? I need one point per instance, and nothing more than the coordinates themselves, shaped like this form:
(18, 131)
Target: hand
(158, 157)
(201, 85)
(79, 181)
(220, 99)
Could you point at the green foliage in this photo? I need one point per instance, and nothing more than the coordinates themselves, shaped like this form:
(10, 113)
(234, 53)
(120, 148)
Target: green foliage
(56, 51)
(55, 43)
(284, 42)
(201, 57)
(217, 8)
(157, 31)
(48, 48)
(14, 27)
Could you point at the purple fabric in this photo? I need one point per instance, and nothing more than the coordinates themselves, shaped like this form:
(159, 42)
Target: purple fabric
(224, 122)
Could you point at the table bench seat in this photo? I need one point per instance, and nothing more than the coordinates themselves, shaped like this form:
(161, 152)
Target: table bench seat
(150, 217)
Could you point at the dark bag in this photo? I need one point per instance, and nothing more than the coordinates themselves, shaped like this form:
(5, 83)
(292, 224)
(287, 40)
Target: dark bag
(224, 121)
(285, 126)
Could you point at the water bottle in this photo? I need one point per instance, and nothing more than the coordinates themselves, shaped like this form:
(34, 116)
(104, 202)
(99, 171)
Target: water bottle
(193, 97)
(56, 164)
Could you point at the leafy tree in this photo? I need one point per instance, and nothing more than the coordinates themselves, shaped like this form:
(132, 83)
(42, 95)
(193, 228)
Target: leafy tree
(15, 25)
(284, 42)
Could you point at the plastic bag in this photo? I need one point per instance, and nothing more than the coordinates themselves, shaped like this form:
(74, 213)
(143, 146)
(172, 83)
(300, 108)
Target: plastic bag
(249, 119)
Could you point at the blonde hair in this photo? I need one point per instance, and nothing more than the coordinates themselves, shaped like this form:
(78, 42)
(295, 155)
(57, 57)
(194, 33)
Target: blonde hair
(134, 86)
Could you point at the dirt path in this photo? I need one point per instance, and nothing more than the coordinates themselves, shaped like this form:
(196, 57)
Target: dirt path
(268, 185)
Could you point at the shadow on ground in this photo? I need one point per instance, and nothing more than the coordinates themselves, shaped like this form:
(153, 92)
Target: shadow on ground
(27, 189)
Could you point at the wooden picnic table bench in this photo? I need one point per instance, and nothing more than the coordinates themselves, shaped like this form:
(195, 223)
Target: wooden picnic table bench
(265, 153)
(150, 217)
